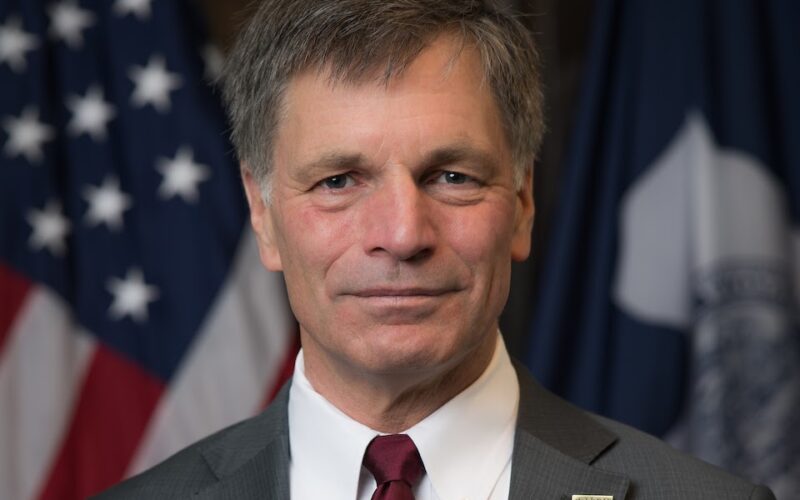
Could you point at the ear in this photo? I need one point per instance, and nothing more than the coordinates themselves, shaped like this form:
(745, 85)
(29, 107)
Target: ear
(261, 221)
(523, 219)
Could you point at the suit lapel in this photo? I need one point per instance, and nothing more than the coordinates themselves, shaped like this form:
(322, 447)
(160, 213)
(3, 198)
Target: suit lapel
(541, 472)
(554, 448)
(252, 462)
(265, 476)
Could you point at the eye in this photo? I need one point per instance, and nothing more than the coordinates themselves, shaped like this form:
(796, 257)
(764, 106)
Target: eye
(449, 177)
(340, 181)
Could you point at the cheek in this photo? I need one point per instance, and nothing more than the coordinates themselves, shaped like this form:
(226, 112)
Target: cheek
(313, 242)
(480, 234)
(481, 239)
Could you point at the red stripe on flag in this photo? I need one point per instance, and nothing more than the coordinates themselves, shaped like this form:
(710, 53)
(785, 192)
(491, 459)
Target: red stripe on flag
(114, 407)
(13, 290)
(287, 368)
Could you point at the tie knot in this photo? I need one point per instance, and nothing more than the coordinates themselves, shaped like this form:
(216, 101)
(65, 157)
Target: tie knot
(394, 458)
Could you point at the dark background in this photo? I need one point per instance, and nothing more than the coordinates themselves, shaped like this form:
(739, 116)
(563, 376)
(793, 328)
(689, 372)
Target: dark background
(561, 29)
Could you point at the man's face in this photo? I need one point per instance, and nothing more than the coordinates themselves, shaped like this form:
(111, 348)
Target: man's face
(394, 216)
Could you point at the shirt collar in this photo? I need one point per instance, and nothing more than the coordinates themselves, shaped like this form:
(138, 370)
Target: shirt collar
(465, 444)
(324, 443)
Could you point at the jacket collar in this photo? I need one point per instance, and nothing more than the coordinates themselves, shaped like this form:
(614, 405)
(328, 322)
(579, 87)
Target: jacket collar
(554, 447)
(251, 460)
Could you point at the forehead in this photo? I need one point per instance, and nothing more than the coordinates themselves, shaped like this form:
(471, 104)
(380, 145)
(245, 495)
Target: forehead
(442, 95)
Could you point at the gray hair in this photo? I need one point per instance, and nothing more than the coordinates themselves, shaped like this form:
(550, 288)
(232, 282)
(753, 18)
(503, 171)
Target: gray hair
(359, 39)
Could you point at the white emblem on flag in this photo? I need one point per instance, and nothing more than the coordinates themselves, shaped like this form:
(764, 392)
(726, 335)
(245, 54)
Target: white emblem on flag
(706, 247)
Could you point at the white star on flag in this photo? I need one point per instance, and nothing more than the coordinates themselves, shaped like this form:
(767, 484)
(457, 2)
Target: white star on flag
(131, 296)
(181, 175)
(153, 84)
(213, 61)
(50, 228)
(90, 114)
(67, 21)
(106, 204)
(26, 135)
(14, 43)
(140, 8)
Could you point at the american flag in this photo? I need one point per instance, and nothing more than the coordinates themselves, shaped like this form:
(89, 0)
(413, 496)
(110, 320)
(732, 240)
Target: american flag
(135, 317)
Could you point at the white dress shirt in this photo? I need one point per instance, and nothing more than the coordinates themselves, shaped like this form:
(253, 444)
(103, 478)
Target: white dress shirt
(465, 445)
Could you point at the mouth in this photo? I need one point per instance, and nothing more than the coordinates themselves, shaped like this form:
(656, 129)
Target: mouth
(401, 305)
(400, 293)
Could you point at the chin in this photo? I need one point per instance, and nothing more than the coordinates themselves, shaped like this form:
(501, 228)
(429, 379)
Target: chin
(420, 357)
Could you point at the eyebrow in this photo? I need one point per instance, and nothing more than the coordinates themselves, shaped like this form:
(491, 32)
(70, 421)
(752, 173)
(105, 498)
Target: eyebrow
(447, 155)
(334, 160)
(458, 153)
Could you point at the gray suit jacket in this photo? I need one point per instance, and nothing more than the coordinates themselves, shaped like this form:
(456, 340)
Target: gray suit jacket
(559, 451)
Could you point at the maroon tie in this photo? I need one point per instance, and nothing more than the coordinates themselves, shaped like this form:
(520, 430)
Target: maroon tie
(396, 465)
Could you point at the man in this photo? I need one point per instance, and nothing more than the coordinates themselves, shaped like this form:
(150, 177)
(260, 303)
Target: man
(386, 152)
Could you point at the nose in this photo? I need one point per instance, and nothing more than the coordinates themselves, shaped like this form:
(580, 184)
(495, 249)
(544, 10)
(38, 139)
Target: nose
(398, 221)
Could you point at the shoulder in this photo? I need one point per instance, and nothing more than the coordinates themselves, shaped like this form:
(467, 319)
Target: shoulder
(584, 444)
(657, 470)
(162, 480)
(206, 462)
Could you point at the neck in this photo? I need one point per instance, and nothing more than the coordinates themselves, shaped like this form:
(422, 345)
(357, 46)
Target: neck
(393, 402)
